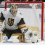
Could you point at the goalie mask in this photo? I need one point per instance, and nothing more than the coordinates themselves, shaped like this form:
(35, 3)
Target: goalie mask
(14, 10)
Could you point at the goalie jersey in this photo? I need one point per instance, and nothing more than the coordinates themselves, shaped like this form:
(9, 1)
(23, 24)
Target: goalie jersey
(11, 22)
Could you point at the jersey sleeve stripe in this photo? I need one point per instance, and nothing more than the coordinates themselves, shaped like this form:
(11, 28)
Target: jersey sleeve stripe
(23, 25)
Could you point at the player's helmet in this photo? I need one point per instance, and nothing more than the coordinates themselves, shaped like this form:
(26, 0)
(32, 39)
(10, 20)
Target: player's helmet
(14, 10)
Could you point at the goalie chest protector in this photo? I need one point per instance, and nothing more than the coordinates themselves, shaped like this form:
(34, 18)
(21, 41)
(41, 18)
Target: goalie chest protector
(11, 21)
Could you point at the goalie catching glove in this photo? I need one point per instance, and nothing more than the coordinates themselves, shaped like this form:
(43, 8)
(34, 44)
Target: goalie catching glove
(28, 33)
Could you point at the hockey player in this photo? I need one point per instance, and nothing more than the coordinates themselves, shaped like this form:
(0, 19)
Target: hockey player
(14, 23)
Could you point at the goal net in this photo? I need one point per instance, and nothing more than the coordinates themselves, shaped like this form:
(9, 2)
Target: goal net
(32, 13)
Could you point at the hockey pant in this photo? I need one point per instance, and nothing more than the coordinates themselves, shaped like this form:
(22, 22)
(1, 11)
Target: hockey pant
(10, 32)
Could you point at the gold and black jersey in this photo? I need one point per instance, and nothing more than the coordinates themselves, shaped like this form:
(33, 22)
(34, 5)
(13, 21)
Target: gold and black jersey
(12, 22)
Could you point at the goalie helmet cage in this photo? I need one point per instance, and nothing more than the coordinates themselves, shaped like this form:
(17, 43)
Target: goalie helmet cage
(42, 12)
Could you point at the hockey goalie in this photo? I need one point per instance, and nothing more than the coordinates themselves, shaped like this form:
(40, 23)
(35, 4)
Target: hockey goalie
(14, 23)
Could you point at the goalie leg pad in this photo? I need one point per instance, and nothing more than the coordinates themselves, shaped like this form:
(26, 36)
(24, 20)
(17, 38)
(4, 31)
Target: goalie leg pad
(34, 39)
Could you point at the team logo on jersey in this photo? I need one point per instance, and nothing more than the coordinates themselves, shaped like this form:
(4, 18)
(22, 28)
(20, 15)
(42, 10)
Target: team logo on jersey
(10, 21)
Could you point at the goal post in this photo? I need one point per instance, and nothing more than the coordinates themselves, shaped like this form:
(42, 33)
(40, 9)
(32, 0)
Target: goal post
(42, 12)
